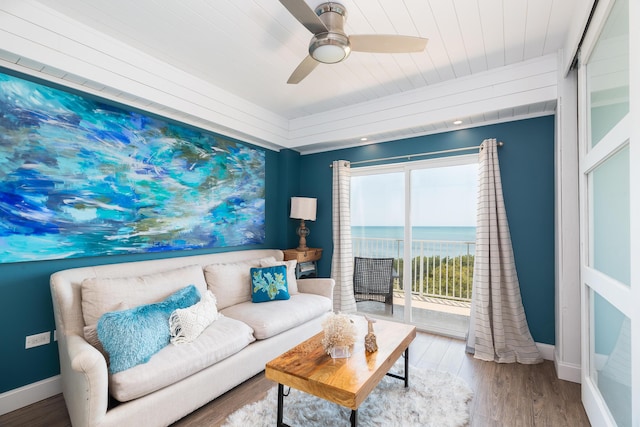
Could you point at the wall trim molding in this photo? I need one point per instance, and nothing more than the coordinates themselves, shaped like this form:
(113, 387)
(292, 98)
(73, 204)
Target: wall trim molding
(30, 393)
(564, 370)
(568, 371)
(546, 350)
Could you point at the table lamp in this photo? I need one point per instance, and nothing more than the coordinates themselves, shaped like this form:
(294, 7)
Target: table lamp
(303, 208)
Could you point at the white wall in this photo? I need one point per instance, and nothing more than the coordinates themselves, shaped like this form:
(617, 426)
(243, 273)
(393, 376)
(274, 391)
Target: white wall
(567, 307)
(567, 295)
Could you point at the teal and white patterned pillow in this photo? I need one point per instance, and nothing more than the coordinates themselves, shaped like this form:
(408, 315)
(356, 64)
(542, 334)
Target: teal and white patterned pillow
(269, 284)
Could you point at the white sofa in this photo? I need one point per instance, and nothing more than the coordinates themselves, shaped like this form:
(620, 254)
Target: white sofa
(155, 395)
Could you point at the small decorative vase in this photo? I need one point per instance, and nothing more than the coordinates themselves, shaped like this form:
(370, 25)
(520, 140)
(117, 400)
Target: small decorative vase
(340, 352)
(370, 342)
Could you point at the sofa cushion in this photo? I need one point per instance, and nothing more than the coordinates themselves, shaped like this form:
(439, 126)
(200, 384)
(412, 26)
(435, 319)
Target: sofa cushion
(102, 295)
(132, 336)
(269, 283)
(231, 283)
(292, 283)
(221, 339)
(273, 317)
(91, 334)
(186, 324)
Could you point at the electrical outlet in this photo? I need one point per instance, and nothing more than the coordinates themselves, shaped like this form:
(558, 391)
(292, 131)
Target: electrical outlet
(37, 340)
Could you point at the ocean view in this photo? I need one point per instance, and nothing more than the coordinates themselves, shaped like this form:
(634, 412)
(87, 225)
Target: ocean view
(386, 241)
(458, 234)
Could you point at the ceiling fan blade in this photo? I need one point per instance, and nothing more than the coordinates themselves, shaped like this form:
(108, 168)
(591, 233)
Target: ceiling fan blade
(381, 43)
(307, 65)
(305, 15)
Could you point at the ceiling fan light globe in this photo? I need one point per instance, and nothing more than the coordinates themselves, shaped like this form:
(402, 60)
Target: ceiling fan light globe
(329, 54)
(329, 48)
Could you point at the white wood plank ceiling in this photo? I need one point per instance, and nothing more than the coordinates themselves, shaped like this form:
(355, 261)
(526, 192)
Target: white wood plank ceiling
(241, 52)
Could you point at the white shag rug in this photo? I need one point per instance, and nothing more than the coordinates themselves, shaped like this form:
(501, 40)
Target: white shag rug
(432, 399)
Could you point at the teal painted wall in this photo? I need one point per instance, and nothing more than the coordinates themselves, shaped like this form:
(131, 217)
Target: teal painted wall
(527, 168)
(26, 298)
(289, 185)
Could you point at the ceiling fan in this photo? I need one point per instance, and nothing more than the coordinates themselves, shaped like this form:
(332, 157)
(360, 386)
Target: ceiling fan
(331, 45)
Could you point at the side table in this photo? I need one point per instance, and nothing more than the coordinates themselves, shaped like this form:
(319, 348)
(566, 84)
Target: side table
(307, 265)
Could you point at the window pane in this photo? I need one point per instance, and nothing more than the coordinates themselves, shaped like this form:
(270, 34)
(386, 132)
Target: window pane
(611, 358)
(377, 215)
(443, 217)
(377, 231)
(611, 217)
(608, 74)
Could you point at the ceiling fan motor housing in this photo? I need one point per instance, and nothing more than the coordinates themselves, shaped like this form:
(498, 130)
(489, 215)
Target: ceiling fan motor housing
(333, 46)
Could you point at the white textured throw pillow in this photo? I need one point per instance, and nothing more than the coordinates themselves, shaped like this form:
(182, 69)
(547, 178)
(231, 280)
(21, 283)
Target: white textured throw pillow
(186, 324)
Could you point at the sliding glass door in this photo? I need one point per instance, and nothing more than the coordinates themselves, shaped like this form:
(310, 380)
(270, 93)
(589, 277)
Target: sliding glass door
(377, 230)
(432, 205)
(443, 235)
(610, 230)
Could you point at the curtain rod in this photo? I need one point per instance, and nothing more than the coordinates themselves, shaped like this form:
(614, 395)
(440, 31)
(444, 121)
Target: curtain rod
(409, 156)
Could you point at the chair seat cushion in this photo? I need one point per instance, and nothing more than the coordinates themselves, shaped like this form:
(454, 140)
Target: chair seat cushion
(271, 318)
(221, 339)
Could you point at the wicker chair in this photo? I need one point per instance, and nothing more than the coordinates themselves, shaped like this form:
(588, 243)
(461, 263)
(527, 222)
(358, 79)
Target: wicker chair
(373, 280)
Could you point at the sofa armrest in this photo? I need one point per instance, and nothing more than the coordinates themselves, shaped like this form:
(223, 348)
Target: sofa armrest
(85, 382)
(318, 286)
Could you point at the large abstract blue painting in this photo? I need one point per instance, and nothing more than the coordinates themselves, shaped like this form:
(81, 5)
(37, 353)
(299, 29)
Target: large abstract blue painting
(84, 177)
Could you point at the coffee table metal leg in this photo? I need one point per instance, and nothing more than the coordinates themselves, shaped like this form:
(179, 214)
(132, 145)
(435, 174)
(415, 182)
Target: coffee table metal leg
(280, 406)
(406, 368)
(354, 417)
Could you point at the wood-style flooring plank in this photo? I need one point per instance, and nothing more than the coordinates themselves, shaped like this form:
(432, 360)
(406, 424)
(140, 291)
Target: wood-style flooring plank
(453, 358)
(433, 355)
(509, 395)
(50, 412)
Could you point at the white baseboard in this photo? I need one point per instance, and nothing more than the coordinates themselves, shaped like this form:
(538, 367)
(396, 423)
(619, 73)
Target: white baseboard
(564, 371)
(546, 350)
(568, 371)
(30, 393)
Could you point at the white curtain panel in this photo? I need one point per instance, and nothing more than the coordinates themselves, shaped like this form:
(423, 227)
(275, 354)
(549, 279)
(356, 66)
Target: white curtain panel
(498, 329)
(342, 261)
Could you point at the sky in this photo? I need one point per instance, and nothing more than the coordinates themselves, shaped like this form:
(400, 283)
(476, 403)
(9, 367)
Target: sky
(442, 197)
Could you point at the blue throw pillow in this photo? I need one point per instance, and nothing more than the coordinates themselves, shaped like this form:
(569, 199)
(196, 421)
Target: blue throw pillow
(131, 337)
(269, 283)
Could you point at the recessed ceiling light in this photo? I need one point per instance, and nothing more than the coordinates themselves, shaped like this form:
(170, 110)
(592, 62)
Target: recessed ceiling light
(364, 138)
(457, 122)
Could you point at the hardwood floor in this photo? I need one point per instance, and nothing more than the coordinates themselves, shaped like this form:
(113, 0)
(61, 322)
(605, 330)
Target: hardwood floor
(504, 395)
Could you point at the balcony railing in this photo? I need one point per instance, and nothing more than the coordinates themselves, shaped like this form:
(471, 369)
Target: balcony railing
(439, 269)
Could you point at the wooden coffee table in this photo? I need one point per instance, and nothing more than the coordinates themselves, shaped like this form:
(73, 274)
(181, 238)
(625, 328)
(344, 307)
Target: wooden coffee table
(347, 382)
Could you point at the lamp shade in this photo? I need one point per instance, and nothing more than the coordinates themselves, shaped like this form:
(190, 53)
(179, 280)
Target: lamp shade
(303, 208)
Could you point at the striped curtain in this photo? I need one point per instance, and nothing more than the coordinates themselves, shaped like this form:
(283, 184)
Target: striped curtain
(498, 329)
(342, 261)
